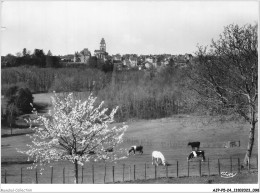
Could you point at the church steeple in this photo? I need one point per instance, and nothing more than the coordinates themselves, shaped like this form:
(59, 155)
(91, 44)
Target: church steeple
(103, 45)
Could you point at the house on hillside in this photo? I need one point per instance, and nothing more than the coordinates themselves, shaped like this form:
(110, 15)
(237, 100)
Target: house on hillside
(117, 57)
(148, 65)
(126, 63)
(151, 60)
(130, 61)
(83, 56)
(133, 61)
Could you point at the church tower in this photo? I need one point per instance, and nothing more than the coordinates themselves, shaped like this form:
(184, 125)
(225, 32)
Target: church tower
(103, 45)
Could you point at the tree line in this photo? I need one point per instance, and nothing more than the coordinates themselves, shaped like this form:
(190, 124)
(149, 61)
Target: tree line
(39, 59)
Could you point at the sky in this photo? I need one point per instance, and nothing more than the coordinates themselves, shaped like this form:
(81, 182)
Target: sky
(133, 27)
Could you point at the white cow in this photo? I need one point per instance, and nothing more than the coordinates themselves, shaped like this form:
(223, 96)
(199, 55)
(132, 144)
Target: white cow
(158, 158)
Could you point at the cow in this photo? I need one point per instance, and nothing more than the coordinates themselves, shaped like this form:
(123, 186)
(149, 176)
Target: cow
(136, 148)
(91, 152)
(194, 145)
(195, 154)
(110, 149)
(158, 158)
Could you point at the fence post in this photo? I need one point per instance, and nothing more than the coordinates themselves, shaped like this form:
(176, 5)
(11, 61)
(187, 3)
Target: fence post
(51, 174)
(82, 174)
(218, 167)
(230, 164)
(93, 176)
(208, 168)
(188, 168)
(21, 175)
(200, 167)
(177, 169)
(129, 173)
(166, 171)
(113, 171)
(123, 172)
(134, 172)
(36, 176)
(155, 171)
(238, 165)
(63, 175)
(257, 162)
(105, 174)
(145, 171)
(5, 177)
(249, 164)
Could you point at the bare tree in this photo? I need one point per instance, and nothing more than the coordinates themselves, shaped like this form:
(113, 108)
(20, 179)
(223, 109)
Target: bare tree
(226, 75)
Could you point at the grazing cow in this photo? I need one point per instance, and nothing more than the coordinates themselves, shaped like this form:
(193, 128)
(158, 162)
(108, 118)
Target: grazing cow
(136, 148)
(158, 158)
(194, 144)
(194, 154)
(91, 152)
(110, 149)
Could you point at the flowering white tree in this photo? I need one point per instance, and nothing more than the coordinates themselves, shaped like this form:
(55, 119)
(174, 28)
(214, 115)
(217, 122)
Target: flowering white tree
(76, 131)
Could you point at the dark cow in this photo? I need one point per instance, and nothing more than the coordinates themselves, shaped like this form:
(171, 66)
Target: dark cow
(110, 149)
(195, 154)
(136, 148)
(91, 152)
(194, 144)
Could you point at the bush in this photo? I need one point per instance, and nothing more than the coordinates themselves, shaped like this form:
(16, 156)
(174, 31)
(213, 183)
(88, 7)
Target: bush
(19, 99)
(24, 100)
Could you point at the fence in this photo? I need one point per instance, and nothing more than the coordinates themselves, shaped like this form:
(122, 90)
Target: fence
(100, 173)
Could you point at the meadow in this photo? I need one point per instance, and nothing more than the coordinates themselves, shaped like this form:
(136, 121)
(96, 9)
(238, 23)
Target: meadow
(168, 135)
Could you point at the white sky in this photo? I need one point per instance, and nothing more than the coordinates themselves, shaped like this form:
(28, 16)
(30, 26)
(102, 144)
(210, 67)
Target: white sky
(141, 27)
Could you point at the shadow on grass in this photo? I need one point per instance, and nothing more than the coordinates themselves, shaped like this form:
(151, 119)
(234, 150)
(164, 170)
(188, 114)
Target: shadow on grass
(16, 126)
(4, 163)
(16, 134)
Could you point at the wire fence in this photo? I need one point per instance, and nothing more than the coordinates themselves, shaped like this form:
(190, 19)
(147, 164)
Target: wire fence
(105, 173)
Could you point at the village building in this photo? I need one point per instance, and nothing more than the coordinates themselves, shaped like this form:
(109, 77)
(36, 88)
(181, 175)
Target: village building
(117, 58)
(130, 62)
(148, 64)
(83, 56)
(150, 61)
(101, 53)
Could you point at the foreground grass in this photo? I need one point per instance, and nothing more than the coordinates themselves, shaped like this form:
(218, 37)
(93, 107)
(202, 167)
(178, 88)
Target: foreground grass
(241, 178)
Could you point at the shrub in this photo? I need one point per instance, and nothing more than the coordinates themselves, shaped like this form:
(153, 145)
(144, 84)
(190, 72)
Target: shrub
(19, 98)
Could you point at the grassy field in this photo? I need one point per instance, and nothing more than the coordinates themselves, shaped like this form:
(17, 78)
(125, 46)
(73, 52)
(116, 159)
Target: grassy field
(168, 135)
(242, 178)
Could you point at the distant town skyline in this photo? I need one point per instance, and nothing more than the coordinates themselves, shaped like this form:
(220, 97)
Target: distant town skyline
(138, 27)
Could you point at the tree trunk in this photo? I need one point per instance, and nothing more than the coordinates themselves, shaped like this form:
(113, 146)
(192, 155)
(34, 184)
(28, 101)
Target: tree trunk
(11, 128)
(76, 172)
(250, 143)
